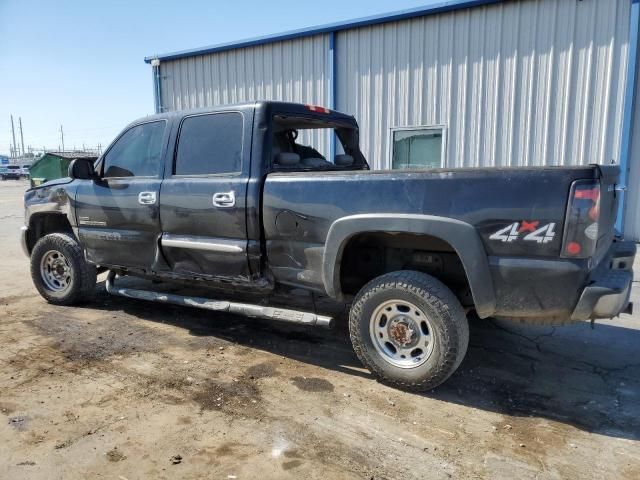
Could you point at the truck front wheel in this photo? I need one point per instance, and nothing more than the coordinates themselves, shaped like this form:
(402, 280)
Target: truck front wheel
(59, 270)
(409, 330)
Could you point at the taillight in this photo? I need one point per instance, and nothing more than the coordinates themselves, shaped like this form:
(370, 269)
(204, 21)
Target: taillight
(581, 224)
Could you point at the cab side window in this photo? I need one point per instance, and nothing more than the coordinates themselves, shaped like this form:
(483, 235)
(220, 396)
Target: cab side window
(210, 144)
(137, 153)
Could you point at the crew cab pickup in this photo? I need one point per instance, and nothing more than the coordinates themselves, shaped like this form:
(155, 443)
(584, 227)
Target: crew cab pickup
(270, 197)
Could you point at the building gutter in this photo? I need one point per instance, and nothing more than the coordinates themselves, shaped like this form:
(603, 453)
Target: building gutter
(157, 98)
(332, 88)
(629, 107)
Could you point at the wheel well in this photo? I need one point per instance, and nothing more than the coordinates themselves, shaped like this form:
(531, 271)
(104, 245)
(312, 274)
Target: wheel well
(369, 255)
(44, 224)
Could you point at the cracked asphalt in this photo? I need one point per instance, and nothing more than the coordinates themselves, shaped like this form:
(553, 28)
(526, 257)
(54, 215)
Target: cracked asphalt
(130, 390)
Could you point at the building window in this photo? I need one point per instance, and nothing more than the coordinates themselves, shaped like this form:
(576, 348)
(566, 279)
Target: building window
(418, 147)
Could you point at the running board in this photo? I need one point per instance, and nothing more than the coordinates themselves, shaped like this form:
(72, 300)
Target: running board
(249, 310)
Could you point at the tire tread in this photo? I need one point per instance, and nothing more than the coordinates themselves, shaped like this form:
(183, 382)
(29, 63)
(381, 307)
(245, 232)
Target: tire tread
(455, 335)
(84, 288)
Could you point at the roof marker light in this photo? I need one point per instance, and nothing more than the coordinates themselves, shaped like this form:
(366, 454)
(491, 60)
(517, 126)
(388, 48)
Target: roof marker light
(317, 108)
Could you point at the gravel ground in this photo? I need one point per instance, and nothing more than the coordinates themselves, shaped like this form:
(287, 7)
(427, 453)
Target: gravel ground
(124, 389)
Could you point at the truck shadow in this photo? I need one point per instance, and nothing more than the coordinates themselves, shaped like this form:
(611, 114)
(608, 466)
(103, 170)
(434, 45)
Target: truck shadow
(586, 378)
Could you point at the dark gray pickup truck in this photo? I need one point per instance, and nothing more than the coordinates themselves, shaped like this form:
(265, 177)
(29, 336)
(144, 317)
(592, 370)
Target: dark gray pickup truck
(269, 197)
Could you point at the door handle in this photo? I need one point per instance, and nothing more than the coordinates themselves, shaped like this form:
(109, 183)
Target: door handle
(147, 198)
(224, 199)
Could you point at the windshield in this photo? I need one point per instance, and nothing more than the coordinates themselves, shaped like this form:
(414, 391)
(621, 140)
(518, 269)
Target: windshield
(308, 143)
(13, 167)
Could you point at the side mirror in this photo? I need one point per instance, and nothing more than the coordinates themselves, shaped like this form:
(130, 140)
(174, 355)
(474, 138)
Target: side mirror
(82, 169)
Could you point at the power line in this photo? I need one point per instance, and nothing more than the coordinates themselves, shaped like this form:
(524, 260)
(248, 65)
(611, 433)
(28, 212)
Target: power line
(96, 135)
(91, 129)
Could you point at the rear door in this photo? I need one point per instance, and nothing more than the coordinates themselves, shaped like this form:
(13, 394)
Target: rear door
(118, 214)
(203, 197)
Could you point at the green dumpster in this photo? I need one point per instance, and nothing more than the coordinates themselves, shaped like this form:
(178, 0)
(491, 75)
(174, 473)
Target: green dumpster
(54, 165)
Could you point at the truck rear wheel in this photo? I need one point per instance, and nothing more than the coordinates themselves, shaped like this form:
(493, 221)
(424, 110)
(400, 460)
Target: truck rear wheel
(409, 330)
(59, 270)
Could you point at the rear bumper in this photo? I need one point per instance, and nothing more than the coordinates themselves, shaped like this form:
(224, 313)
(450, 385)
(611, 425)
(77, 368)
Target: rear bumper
(608, 292)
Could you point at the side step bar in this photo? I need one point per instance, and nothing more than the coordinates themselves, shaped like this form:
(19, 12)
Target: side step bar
(249, 310)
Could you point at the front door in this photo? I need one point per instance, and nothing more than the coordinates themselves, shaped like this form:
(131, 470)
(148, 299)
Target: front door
(203, 197)
(118, 214)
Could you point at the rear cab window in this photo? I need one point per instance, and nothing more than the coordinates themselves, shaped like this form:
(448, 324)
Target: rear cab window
(314, 142)
(210, 144)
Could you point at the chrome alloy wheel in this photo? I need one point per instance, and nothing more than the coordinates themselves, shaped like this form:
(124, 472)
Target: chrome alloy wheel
(401, 333)
(56, 271)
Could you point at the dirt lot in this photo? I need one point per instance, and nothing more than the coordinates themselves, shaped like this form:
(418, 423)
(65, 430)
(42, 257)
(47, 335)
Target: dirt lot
(125, 390)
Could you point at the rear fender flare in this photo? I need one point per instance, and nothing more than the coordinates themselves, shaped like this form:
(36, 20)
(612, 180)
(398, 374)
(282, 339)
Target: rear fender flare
(462, 236)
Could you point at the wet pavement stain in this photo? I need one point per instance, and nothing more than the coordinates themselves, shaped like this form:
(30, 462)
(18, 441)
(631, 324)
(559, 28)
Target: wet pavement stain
(312, 384)
(291, 464)
(115, 455)
(262, 370)
(235, 398)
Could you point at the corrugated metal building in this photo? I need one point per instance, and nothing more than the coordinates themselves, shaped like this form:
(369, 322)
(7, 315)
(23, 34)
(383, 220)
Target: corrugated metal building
(470, 82)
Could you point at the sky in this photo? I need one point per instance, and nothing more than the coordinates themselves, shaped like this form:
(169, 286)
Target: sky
(80, 64)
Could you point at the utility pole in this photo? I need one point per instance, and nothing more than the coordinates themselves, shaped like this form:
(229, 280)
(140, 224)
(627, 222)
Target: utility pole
(13, 134)
(62, 137)
(21, 135)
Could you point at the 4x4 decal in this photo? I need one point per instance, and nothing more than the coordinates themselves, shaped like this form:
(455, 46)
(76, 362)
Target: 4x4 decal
(511, 233)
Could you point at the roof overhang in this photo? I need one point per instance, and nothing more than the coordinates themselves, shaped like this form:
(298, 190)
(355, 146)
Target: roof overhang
(440, 7)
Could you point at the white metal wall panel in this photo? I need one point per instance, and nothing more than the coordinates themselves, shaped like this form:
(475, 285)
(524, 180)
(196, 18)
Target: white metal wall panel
(632, 207)
(292, 70)
(519, 83)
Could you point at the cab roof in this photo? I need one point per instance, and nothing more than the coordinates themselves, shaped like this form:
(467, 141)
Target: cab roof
(266, 106)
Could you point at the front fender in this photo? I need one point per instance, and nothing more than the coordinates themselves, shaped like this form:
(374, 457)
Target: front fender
(50, 199)
(43, 201)
(462, 236)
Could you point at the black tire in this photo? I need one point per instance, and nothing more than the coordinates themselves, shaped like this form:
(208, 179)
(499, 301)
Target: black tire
(81, 285)
(448, 326)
